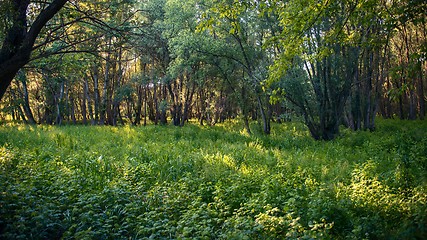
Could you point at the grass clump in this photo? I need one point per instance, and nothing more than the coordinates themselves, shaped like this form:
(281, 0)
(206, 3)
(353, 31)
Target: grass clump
(164, 182)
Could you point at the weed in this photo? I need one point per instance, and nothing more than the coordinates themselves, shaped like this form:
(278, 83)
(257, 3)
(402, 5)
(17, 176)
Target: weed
(212, 183)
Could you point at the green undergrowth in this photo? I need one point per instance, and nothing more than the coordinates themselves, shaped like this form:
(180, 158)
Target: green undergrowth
(164, 182)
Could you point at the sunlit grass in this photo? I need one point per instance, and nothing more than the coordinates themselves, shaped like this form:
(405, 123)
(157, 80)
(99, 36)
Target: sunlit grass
(212, 182)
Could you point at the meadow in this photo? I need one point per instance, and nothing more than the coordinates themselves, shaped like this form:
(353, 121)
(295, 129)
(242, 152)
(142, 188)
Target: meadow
(165, 182)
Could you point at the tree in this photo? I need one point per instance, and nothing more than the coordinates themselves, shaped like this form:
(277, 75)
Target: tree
(315, 71)
(405, 85)
(335, 51)
(237, 24)
(108, 62)
(186, 69)
(19, 40)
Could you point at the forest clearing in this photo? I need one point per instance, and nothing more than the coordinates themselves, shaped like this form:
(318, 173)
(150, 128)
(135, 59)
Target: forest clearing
(213, 119)
(195, 182)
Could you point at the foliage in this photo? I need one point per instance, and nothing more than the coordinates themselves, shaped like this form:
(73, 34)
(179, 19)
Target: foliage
(198, 182)
(328, 62)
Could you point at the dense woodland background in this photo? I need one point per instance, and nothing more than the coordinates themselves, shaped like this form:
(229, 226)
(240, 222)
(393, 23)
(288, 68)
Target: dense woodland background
(166, 61)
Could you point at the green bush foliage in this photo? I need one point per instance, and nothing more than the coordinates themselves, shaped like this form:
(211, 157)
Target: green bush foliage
(163, 182)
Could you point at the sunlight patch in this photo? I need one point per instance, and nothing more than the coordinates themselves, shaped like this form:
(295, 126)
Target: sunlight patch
(5, 155)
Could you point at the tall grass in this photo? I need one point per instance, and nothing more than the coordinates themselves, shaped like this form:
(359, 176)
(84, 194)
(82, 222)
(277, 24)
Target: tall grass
(216, 182)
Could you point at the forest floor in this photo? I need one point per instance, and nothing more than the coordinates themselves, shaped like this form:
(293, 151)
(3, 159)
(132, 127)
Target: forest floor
(165, 182)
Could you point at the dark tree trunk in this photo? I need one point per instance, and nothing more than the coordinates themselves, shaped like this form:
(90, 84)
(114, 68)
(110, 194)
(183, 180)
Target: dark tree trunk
(145, 106)
(20, 114)
(97, 99)
(86, 102)
(140, 96)
(139, 102)
(264, 115)
(26, 102)
(421, 96)
(18, 42)
(163, 118)
(177, 114)
(187, 103)
(58, 104)
(202, 107)
(156, 104)
(368, 91)
(245, 111)
(84, 106)
(72, 110)
(401, 110)
(105, 112)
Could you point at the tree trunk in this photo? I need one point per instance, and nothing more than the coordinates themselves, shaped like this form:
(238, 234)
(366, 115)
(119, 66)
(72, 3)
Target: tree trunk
(156, 107)
(187, 103)
(86, 102)
(163, 117)
(145, 105)
(58, 101)
(357, 107)
(72, 110)
(245, 110)
(97, 100)
(368, 91)
(17, 107)
(175, 108)
(155, 102)
(265, 119)
(202, 107)
(421, 96)
(26, 102)
(18, 42)
(139, 102)
(104, 104)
